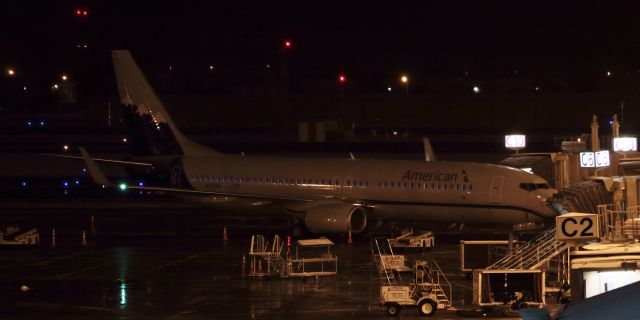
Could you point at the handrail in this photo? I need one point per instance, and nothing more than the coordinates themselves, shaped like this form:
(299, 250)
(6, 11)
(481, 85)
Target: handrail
(450, 296)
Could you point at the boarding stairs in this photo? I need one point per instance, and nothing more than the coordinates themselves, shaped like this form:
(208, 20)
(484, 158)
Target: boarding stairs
(535, 254)
(389, 266)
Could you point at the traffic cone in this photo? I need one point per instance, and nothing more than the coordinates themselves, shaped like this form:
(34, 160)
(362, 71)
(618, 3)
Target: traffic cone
(83, 242)
(225, 236)
(349, 240)
(244, 264)
(53, 238)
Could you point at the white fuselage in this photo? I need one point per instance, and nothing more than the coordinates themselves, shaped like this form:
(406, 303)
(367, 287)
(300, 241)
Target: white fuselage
(396, 189)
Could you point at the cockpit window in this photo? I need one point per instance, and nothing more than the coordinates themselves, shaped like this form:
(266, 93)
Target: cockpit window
(528, 186)
(534, 186)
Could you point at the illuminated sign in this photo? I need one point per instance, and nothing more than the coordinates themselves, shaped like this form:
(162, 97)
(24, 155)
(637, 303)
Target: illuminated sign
(515, 141)
(626, 144)
(587, 160)
(577, 227)
(602, 158)
(594, 159)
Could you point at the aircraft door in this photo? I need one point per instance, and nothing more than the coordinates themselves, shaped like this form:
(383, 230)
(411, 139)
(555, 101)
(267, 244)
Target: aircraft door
(175, 176)
(496, 188)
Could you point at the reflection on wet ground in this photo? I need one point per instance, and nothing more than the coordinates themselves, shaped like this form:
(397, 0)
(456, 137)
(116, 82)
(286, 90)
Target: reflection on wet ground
(171, 263)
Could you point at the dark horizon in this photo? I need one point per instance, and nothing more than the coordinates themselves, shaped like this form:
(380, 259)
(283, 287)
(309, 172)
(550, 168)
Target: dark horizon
(372, 43)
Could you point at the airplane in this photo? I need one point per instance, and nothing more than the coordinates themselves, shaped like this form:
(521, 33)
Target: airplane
(329, 195)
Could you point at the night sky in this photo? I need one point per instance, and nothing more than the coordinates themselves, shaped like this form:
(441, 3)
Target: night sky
(371, 42)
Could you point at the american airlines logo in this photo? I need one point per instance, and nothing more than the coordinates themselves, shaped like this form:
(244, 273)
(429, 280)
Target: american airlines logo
(431, 176)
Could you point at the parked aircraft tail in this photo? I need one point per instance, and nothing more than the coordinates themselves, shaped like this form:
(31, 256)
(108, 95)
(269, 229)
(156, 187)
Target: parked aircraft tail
(151, 130)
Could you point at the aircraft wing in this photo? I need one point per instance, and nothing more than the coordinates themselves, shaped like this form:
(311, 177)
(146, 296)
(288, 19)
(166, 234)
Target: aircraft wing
(214, 193)
(110, 161)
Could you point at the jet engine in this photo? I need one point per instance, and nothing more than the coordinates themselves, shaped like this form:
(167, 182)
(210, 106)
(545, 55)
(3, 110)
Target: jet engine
(336, 218)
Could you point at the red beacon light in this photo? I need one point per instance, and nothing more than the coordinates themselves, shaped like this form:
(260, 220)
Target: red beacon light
(288, 44)
(342, 79)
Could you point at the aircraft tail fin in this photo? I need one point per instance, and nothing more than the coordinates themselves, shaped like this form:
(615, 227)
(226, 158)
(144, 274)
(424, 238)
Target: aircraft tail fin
(429, 155)
(151, 129)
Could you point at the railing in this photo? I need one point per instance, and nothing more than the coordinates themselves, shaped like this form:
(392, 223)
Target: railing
(532, 254)
(440, 275)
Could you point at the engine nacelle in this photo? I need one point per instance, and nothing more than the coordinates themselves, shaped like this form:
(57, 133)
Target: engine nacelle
(336, 218)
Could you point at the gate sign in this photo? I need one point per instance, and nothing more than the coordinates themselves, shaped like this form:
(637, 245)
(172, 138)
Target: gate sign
(602, 158)
(625, 144)
(577, 227)
(594, 159)
(587, 160)
(515, 141)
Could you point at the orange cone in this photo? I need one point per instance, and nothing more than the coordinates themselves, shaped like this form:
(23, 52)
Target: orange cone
(349, 240)
(225, 236)
(83, 242)
(244, 264)
(53, 238)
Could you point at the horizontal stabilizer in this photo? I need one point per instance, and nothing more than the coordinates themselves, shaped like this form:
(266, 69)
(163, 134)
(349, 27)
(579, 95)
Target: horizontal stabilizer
(109, 161)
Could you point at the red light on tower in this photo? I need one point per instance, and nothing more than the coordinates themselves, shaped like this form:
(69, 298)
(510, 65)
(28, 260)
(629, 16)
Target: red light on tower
(342, 79)
(82, 12)
(288, 44)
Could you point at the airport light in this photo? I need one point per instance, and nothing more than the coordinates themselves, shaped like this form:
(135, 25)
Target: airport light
(625, 144)
(211, 67)
(476, 89)
(11, 72)
(55, 86)
(609, 74)
(42, 124)
(29, 123)
(388, 89)
(342, 79)
(124, 140)
(65, 147)
(287, 44)
(405, 80)
(122, 186)
(64, 77)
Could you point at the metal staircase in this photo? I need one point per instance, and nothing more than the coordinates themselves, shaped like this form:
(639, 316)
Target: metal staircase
(438, 282)
(390, 266)
(533, 254)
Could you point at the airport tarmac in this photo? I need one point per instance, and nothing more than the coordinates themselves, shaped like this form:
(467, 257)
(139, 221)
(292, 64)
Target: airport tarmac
(166, 260)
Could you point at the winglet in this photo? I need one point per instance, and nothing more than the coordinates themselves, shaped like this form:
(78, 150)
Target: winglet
(94, 170)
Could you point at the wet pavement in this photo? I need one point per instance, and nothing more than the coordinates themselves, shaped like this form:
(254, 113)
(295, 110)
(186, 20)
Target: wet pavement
(167, 260)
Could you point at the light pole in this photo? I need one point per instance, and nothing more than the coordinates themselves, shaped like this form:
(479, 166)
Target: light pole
(342, 80)
(287, 45)
(405, 81)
